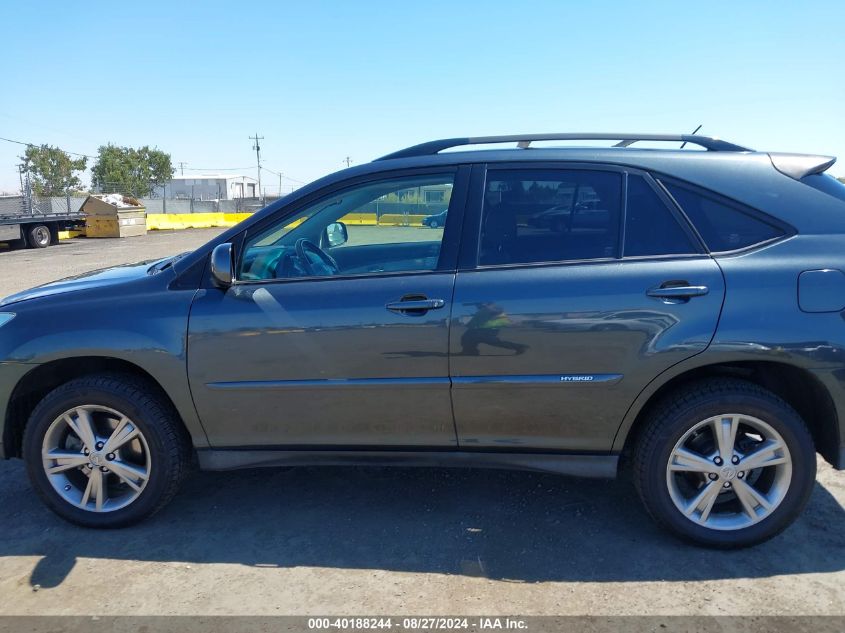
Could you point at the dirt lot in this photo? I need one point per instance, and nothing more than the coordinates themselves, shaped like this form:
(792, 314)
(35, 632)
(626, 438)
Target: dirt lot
(377, 541)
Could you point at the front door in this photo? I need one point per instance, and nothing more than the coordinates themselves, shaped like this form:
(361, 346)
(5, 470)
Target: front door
(585, 286)
(336, 332)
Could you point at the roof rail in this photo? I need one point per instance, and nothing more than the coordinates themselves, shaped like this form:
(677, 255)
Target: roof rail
(524, 141)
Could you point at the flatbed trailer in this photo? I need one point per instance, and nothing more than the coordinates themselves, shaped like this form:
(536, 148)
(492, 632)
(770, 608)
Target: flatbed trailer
(34, 228)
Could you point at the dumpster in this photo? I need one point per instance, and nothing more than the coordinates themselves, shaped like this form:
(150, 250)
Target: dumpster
(114, 215)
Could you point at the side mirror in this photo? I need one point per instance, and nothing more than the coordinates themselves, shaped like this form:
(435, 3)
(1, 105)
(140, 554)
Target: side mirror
(336, 234)
(222, 266)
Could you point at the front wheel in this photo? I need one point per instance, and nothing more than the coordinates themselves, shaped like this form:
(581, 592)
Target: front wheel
(725, 463)
(105, 451)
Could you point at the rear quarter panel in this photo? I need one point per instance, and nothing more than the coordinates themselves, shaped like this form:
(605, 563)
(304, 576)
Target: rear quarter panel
(761, 319)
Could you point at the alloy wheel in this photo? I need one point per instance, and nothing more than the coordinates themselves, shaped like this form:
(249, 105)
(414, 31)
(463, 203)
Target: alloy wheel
(729, 471)
(96, 458)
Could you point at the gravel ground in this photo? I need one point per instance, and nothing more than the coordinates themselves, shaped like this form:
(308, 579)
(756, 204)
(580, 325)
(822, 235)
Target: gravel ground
(403, 541)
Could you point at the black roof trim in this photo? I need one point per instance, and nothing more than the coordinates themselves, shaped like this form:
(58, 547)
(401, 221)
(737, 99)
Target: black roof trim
(524, 141)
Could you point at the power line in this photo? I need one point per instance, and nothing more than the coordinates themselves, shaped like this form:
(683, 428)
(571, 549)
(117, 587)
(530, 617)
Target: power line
(11, 140)
(181, 164)
(281, 175)
(218, 168)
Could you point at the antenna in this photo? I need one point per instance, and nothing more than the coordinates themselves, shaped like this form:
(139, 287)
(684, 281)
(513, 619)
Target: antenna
(694, 131)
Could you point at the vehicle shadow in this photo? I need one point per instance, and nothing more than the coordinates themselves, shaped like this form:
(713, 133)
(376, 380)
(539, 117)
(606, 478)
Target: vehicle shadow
(513, 526)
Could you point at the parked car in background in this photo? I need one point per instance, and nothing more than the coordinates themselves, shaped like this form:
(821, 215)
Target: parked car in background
(691, 335)
(436, 221)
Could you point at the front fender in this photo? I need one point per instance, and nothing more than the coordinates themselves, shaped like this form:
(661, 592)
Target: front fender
(145, 329)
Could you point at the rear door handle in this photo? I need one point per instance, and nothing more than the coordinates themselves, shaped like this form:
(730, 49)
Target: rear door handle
(677, 292)
(416, 306)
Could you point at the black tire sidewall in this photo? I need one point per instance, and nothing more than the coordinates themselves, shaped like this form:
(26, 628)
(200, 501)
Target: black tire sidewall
(31, 236)
(780, 417)
(67, 397)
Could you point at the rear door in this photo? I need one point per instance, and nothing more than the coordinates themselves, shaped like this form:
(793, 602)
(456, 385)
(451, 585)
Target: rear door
(584, 283)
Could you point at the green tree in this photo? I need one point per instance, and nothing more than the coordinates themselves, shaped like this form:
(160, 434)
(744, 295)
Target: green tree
(53, 171)
(130, 171)
(842, 180)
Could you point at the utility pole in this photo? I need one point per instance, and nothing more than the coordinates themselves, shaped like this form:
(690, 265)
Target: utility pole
(257, 147)
(348, 161)
(280, 184)
(182, 168)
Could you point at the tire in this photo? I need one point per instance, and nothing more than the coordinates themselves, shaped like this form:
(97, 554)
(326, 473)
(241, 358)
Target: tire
(160, 450)
(730, 513)
(434, 224)
(39, 236)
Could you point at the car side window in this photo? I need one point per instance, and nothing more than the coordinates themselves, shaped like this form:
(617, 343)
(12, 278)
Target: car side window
(371, 228)
(532, 216)
(723, 227)
(650, 227)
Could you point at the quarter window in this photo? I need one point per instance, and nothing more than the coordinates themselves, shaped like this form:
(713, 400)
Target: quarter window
(534, 216)
(722, 227)
(650, 227)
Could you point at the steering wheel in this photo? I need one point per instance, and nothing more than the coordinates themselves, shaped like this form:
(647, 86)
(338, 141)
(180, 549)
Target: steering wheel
(325, 264)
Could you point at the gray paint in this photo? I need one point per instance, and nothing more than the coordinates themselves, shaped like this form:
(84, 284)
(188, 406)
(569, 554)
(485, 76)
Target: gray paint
(322, 364)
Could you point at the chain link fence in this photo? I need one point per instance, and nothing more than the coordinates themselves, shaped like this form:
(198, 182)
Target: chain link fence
(35, 205)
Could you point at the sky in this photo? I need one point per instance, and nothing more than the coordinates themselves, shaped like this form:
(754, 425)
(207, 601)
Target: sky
(323, 80)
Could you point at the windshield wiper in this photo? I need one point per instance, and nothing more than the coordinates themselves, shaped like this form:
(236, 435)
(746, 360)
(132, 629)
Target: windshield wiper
(164, 264)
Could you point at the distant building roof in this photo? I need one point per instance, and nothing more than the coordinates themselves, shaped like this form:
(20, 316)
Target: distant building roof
(212, 177)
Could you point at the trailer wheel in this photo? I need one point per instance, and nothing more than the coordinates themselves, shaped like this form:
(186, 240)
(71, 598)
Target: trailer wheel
(38, 236)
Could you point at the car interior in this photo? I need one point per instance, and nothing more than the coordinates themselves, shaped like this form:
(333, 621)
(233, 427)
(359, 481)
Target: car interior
(318, 243)
(550, 220)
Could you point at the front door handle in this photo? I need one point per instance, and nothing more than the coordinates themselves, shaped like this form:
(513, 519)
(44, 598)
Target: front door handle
(415, 305)
(673, 291)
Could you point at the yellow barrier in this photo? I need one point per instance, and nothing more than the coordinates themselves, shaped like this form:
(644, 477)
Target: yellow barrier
(388, 219)
(163, 221)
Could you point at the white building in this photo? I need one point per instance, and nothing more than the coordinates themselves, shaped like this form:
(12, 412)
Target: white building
(211, 187)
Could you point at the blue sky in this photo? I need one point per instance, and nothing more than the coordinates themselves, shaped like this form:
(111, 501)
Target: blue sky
(323, 80)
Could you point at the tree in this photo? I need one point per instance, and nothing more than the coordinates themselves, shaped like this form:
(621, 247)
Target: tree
(842, 180)
(53, 171)
(131, 171)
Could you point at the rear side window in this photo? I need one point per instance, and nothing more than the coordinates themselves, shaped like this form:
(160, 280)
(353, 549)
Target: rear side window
(650, 227)
(533, 216)
(722, 227)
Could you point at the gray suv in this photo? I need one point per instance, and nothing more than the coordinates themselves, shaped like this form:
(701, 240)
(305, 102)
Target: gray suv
(670, 314)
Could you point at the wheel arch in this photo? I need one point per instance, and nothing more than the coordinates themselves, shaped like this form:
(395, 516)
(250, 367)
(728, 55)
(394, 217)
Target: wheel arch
(43, 378)
(796, 385)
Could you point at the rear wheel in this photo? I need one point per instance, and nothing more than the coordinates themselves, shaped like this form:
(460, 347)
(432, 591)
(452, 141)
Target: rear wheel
(105, 451)
(38, 236)
(725, 463)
